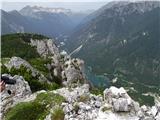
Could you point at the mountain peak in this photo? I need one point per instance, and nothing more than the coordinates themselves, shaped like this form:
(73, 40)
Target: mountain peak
(140, 6)
(14, 12)
(36, 9)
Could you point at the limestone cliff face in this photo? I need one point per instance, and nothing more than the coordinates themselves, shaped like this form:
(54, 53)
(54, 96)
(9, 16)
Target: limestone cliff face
(61, 66)
(48, 48)
(73, 71)
(45, 47)
(68, 69)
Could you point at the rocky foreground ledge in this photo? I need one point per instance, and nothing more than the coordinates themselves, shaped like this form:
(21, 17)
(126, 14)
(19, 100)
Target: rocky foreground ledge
(80, 104)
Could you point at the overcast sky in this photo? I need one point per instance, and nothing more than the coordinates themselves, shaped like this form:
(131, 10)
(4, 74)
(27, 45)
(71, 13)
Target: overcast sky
(75, 5)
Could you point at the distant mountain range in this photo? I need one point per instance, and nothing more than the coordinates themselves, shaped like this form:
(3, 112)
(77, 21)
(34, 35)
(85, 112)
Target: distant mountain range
(52, 22)
(122, 40)
(31, 10)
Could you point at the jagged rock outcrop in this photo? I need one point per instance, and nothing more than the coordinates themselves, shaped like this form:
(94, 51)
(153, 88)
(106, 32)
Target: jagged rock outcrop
(13, 94)
(46, 48)
(72, 94)
(120, 100)
(17, 62)
(63, 67)
(73, 71)
(82, 105)
(70, 70)
(118, 105)
(115, 104)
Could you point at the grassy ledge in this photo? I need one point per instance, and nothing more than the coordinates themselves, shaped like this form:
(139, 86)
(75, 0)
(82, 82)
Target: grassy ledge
(37, 109)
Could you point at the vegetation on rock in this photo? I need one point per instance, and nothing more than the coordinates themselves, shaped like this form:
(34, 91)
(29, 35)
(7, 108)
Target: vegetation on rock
(58, 114)
(33, 81)
(41, 65)
(18, 45)
(37, 109)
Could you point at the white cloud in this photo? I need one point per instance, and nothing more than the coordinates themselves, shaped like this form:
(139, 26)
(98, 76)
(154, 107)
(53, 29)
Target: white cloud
(75, 6)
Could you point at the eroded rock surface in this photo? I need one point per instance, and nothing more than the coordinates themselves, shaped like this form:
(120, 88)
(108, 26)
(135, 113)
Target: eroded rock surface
(73, 71)
(13, 94)
(114, 104)
(70, 70)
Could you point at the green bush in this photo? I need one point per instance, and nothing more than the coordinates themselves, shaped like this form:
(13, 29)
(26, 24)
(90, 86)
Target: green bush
(4, 69)
(142, 99)
(33, 81)
(104, 109)
(39, 64)
(83, 98)
(18, 45)
(97, 91)
(26, 111)
(76, 108)
(35, 110)
(140, 89)
(58, 114)
(50, 98)
(13, 45)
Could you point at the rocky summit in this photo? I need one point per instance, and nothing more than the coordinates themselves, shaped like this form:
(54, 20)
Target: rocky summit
(80, 104)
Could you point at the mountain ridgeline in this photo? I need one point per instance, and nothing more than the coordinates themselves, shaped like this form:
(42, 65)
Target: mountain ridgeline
(53, 22)
(122, 41)
(39, 61)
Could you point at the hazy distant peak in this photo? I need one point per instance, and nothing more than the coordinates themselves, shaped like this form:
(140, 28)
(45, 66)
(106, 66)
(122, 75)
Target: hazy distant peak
(44, 9)
(2, 11)
(14, 12)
